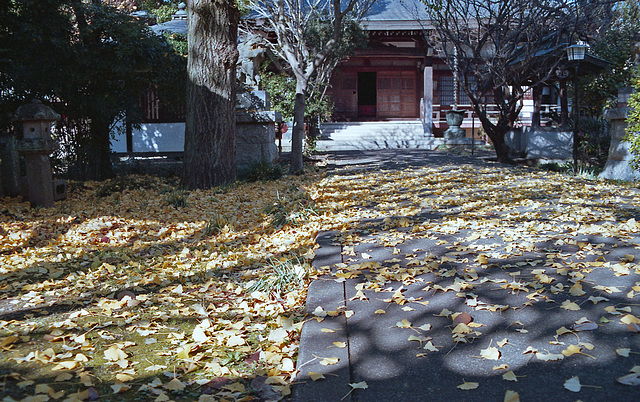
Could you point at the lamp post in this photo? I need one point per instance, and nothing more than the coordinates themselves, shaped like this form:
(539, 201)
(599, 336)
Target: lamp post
(576, 53)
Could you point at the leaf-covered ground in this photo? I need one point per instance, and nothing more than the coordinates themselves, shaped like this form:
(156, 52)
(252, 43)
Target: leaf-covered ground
(133, 289)
(473, 281)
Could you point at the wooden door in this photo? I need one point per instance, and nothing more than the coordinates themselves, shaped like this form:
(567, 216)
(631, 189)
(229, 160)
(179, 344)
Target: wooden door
(344, 93)
(397, 94)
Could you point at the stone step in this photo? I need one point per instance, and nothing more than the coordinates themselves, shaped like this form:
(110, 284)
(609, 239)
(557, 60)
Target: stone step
(374, 135)
(371, 135)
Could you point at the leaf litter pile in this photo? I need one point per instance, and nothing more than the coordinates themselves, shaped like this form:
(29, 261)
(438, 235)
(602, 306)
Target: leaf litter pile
(133, 288)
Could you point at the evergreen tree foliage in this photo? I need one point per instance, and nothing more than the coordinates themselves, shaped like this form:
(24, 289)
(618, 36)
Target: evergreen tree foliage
(91, 63)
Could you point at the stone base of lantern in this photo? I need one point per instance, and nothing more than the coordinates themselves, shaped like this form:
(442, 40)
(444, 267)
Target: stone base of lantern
(59, 190)
(457, 141)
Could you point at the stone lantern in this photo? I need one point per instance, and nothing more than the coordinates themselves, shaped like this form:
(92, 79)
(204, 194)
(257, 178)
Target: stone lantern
(35, 147)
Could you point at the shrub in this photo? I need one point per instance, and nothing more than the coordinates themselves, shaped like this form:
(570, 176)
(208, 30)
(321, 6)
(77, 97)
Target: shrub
(633, 129)
(262, 171)
(594, 140)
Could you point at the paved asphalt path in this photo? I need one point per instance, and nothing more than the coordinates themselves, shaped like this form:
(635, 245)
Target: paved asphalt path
(377, 349)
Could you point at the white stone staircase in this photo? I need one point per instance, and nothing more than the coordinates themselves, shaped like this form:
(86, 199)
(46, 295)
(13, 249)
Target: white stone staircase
(375, 135)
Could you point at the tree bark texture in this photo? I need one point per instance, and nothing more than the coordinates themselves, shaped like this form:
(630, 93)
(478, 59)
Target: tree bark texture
(209, 149)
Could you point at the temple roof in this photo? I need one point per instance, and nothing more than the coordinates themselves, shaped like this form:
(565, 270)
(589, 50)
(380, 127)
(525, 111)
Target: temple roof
(385, 15)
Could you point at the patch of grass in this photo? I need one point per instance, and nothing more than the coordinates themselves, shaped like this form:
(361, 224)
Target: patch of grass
(281, 277)
(586, 172)
(293, 208)
(176, 198)
(262, 171)
(217, 224)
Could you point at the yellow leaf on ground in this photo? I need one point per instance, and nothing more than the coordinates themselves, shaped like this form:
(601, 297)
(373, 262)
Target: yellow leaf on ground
(511, 396)
(235, 340)
(576, 290)
(329, 361)
(430, 347)
(124, 377)
(462, 329)
(510, 376)
(549, 356)
(199, 336)
(287, 365)
(315, 376)
(573, 384)
(630, 319)
(607, 289)
(119, 388)
(114, 354)
(572, 350)
(468, 385)
(175, 385)
(66, 365)
(490, 353)
(569, 305)
(43, 389)
(624, 352)
(403, 324)
(63, 377)
(425, 327)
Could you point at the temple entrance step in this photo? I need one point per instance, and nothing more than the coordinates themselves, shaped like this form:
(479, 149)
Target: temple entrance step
(375, 135)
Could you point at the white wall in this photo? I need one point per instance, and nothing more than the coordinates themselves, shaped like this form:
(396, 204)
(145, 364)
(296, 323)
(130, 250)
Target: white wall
(151, 137)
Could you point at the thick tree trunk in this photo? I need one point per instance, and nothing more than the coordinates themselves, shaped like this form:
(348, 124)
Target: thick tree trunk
(497, 134)
(297, 136)
(209, 149)
(501, 148)
(92, 151)
(99, 152)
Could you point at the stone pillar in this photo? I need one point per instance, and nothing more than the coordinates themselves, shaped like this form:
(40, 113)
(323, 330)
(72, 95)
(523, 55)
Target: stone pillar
(255, 130)
(10, 160)
(428, 100)
(36, 146)
(617, 166)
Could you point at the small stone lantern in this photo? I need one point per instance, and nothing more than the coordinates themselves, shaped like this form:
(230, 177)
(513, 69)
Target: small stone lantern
(35, 146)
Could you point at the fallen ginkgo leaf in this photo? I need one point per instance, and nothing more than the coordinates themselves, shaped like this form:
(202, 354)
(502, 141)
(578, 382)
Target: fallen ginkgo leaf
(329, 361)
(569, 305)
(490, 353)
(315, 376)
(403, 324)
(468, 385)
(573, 384)
(572, 350)
(549, 356)
(359, 385)
(175, 385)
(511, 396)
(510, 376)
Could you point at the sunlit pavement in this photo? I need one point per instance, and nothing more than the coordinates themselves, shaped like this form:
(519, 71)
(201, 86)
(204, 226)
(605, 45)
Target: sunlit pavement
(496, 280)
